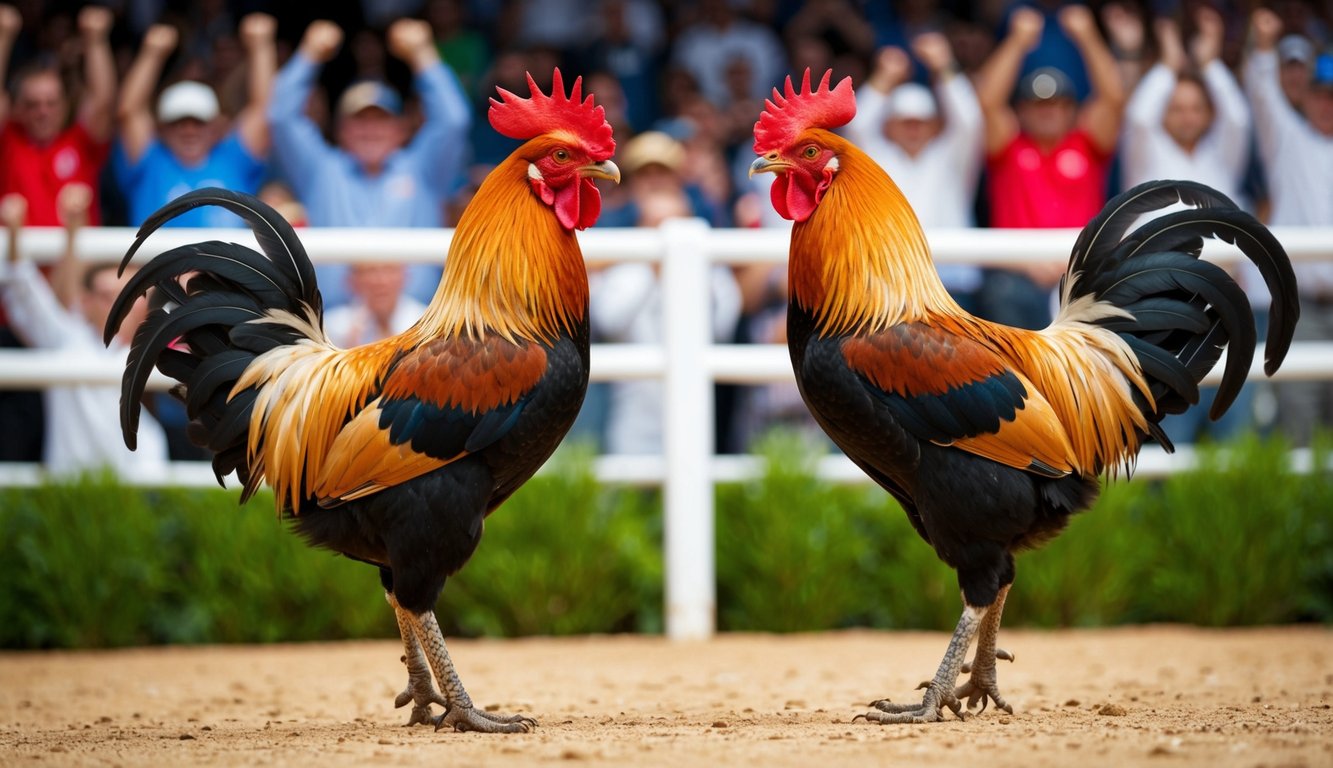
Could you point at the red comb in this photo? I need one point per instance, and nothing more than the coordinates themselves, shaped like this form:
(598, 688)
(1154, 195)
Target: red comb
(785, 116)
(520, 118)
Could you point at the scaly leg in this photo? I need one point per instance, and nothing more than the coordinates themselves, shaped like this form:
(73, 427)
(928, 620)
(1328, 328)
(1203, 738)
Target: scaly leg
(420, 688)
(982, 686)
(939, 691)
(459, 712)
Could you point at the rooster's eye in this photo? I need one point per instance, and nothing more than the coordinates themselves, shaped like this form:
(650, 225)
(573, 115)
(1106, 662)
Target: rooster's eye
(811, 152)
(560, 155)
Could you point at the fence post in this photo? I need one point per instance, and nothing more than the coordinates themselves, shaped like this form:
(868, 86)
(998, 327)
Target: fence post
(687, 492)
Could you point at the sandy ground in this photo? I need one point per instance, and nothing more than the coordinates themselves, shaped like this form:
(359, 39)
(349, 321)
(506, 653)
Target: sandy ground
(1160, 696)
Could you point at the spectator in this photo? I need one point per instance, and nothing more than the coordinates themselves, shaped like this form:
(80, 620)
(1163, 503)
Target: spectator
(1047, 156)
(1183, 125)
(626, 307)
(41, 150)
(82, 424)
(1295, 54)
(929, 142)
(1297, 153)
(379, 307)
(374, 177)
(652, 164)
(705, 50)
(184, 148)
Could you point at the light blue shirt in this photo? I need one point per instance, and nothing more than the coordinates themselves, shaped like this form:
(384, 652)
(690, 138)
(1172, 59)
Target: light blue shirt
(410, 191)
(158, 178)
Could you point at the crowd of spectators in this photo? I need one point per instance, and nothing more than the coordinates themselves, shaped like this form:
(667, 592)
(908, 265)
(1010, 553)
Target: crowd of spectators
(1002, 114)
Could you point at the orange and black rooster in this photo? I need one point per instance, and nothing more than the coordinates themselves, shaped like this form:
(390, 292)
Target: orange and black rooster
(393, 453)
(991, 437)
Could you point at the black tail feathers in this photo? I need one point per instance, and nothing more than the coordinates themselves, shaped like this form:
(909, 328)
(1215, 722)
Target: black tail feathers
(189, 333)
(1184, 311)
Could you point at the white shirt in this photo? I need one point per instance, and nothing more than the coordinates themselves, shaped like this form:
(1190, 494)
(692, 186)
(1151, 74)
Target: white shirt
(1298, 163)
(941, 181)
(626, 307)
(1148, 152)
(82, 422)
(351, 325)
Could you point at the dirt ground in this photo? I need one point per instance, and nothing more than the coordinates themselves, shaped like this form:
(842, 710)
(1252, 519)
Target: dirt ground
(1160, 696)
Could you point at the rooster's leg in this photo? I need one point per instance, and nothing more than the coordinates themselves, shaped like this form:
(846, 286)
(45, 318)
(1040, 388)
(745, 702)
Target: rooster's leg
(939, 691)
(420, 690)
(982, 686)
(458, 710)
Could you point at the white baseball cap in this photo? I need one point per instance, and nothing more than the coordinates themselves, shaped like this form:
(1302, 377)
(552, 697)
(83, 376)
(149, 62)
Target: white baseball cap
(912, 101)
(187, 99)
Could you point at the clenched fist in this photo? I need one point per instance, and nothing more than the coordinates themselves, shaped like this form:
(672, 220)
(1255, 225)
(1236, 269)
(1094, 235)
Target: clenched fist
(322, 39)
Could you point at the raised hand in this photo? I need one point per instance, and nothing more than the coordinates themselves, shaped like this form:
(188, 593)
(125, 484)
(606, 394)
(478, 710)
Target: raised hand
(934, 51)
(1078, 22)
(1124, 27)
(892, 66)
(257, 29)
(11, 21)
(72, 204)
(409, 38)
(161, 39)
(1026, 25)
(1266, 28)
(1169, 44)
(95, 21)
(321, 40)
(1207, 43)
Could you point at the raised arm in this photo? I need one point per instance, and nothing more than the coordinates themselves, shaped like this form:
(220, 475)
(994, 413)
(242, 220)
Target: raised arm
(135, 112)
(32, 310)
(1231, 125)
(996, 80)
(1101, 114)
(1147, 104)
(257, 32)
(10, 24)
(1273, 115)
(1125, 30)
(98, 103)
(13, 214)
(72, 203)
(441, 142)
(956, 97)
(892, 68)
(297, 143)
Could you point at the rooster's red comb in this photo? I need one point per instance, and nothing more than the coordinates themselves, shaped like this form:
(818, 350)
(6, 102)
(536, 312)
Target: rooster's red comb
(785, 116)
(520, 118)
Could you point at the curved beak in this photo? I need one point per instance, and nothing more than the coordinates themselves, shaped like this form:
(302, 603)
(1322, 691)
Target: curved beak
(770, 163)
(603, 170)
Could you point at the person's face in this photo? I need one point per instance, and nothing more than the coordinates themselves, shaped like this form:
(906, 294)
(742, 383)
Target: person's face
(1294, 76)
(1189, 114)
(370, 136)
(103, 288)
(1046, 119)
(1319, 109)
(912, 134)
(653, 178)
(379, 286)
(40, 106)
(189, 139)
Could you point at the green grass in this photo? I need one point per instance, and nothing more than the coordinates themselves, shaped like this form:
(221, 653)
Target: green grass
(1242, 540)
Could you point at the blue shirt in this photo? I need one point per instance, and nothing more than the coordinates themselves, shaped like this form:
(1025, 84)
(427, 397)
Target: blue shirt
(158, 178)
(411, 189)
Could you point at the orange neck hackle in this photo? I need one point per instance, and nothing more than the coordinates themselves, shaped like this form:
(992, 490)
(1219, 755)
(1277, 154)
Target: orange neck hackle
(512, 269)
(861, 263)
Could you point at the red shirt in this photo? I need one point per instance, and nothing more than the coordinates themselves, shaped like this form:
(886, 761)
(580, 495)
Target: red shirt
(1065, 188)
(39, 172)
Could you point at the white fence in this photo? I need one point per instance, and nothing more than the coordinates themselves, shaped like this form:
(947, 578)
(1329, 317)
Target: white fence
(687, 362)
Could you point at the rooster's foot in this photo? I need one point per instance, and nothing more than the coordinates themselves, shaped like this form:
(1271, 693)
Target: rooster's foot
(472, 719)
(982, 687)
(930, 710)
(421, 693)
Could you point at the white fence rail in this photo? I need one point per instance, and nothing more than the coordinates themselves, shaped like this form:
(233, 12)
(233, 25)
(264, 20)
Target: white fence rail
(687, 362)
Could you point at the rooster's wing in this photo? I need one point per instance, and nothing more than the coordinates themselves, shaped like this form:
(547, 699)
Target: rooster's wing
(441, 401)
(949, 389)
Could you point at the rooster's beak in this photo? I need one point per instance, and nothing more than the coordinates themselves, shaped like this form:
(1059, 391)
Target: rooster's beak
(603, 170)
(770, 163)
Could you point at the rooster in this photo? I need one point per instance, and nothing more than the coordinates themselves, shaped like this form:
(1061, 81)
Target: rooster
(990, 437)
(393, 453)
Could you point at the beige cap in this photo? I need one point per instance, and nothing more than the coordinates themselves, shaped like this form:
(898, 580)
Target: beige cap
(652, 147)
(369, 94)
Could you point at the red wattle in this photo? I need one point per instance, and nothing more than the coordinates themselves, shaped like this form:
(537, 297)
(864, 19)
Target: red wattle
(801, 196)
(577, 206)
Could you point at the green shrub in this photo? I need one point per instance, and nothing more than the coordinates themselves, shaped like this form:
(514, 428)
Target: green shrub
(1242, 540)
